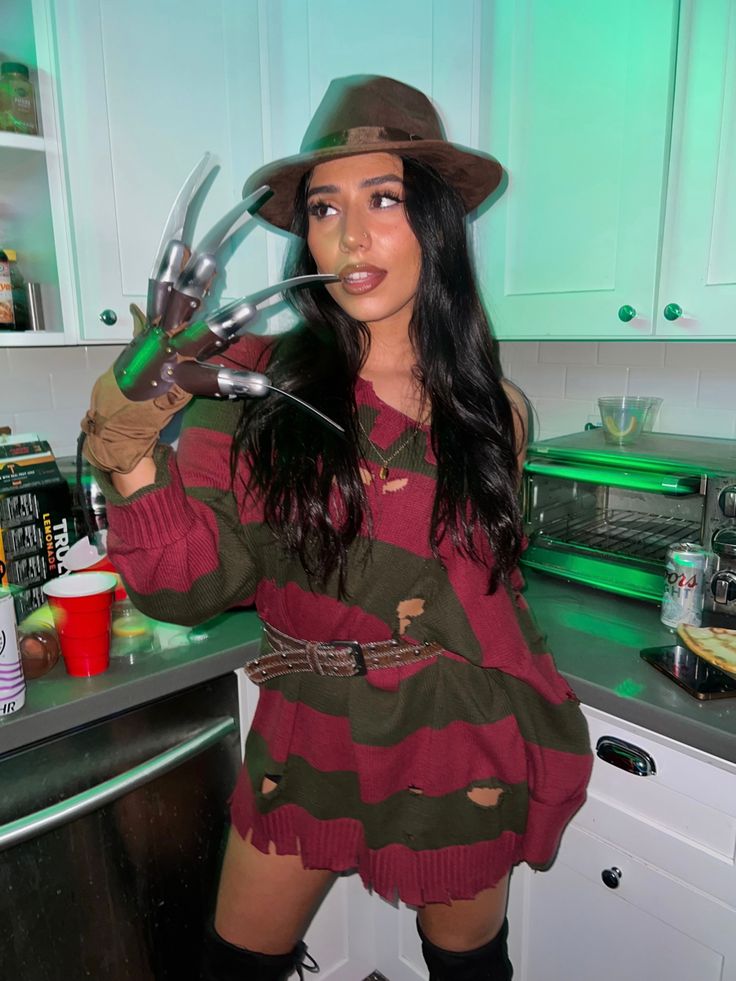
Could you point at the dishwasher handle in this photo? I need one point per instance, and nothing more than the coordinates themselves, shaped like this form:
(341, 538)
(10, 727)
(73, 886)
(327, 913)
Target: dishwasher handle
(32, 825)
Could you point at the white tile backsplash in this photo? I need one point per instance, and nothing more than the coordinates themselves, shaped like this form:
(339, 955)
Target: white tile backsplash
(671, 384)
(545, 380)
(631, 354)
(717, 389)
(703, 355)
(568, 352)
(47, 389)
(696, 380)
(590, 381)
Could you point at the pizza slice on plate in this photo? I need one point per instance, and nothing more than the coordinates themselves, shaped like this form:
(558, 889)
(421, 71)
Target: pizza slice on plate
(717, 645)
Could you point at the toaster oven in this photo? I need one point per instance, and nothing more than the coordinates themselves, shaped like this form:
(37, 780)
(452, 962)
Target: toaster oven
(604, 515)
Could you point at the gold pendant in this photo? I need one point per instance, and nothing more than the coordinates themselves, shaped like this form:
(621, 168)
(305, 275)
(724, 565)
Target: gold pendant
(383, 472)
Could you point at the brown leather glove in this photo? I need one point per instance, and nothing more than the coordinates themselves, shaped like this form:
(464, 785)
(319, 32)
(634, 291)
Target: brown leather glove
(120, 432)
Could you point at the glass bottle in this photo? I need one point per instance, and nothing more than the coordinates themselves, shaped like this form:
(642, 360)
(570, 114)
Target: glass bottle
(17, 99)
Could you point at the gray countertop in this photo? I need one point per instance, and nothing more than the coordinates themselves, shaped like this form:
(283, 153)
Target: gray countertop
(57, 702)
(595, 638)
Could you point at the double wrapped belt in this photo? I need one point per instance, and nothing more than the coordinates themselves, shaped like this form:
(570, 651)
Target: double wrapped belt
(331, 658)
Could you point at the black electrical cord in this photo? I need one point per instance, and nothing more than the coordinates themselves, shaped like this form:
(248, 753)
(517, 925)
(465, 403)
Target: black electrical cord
(82, 498)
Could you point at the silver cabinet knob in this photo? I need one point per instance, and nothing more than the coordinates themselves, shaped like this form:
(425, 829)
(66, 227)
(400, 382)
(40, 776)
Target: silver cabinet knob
(109, 317)
(612, 877)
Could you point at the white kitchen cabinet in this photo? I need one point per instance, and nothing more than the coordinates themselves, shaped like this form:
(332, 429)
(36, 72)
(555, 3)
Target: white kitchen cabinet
(615, 121)
(159, 83)
(146, 89)
(672, 837)
(576, 106)
(32, 190)
(698, 271)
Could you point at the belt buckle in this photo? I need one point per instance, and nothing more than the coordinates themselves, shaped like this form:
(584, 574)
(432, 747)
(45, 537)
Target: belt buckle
(355, 649)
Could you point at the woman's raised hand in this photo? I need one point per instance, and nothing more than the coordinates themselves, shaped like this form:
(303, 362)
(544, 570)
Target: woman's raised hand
(119, 432)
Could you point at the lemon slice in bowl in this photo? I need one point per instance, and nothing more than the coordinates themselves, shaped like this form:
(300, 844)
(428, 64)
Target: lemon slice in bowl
(612, 427)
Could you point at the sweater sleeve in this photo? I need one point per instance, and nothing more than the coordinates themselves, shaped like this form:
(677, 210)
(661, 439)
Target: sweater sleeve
(187, 546)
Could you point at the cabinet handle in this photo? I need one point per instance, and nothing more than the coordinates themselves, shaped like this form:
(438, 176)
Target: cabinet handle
(626, 756)
(109, 317)
(626, 313)
(673, 311)
(612, 877)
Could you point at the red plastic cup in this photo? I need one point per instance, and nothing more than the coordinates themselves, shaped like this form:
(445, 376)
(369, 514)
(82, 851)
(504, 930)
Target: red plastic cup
(81, 604)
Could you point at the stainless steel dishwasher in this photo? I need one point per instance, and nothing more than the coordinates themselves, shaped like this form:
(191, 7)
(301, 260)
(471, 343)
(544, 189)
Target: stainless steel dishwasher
(111, 838)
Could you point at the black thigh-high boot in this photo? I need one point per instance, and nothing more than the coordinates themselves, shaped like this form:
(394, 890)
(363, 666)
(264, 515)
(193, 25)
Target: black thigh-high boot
(223, 961)
(487, 963)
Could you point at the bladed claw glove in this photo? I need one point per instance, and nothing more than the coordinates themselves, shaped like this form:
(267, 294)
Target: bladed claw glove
(119, 432)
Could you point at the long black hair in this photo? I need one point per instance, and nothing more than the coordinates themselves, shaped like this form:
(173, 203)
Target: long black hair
(308, 476)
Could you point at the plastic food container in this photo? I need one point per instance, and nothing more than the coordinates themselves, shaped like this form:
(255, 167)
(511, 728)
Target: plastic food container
(132, 633)
(626, 417)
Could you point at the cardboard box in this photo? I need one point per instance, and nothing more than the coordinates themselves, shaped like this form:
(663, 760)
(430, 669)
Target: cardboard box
(36, 522)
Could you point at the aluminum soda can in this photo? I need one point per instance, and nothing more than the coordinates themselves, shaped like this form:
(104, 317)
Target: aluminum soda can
(685, 570)
(12, 682)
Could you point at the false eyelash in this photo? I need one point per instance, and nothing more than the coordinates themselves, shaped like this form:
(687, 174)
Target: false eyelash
(314, 206)
(391, 195)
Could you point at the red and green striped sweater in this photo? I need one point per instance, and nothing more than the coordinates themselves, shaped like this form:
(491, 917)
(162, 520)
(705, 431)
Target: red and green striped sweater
(374, 773)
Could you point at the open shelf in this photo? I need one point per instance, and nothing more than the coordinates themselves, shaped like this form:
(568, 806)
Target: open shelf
(18, 141)
(32, 338)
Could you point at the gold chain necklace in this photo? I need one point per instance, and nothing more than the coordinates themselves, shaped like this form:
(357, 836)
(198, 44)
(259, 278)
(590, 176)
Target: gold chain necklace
(385, 460)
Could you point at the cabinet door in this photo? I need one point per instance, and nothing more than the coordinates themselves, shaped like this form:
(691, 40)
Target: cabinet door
(430, 44)
(650, 926)
(699, 248)
(576, 103)
(146, 88)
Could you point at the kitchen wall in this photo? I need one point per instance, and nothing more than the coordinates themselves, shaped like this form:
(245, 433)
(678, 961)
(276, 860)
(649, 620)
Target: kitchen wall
(47, 390)
(563, 379)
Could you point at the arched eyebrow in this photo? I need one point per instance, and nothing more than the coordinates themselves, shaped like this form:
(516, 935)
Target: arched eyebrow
(368, 182)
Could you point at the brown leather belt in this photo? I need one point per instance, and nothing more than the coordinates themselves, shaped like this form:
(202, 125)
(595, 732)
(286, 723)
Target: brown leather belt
(331, 658)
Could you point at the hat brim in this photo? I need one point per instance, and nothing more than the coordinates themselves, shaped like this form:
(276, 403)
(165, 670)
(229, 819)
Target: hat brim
(473, 174)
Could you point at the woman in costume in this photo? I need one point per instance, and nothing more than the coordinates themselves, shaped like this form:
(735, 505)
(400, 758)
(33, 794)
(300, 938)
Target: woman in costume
(410, 725)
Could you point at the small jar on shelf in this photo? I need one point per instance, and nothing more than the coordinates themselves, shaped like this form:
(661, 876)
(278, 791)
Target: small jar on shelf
(17, 100)
(13, 300)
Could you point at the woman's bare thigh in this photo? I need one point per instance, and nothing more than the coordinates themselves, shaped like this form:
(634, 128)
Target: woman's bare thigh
(466, 924)
(265, 901)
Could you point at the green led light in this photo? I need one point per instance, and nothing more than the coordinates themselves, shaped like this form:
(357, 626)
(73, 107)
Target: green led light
(585, 566)
(628, 688)
(655, 483)
(145, 350)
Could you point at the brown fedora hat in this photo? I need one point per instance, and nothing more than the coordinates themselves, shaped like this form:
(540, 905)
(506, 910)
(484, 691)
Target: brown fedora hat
(373, 114)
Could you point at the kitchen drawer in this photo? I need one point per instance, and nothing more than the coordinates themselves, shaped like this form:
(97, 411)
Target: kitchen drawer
(682, 819)
(650, 926)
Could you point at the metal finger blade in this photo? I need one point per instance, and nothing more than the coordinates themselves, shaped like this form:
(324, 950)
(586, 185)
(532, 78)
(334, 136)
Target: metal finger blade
(236, 217)
(330, 423)
(312, 280)
(174, 227)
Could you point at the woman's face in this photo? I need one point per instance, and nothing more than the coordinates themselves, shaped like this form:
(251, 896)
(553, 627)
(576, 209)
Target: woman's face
(358, 229)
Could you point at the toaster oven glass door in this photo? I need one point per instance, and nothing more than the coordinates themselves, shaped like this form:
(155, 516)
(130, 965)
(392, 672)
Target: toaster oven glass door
(608, 527)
